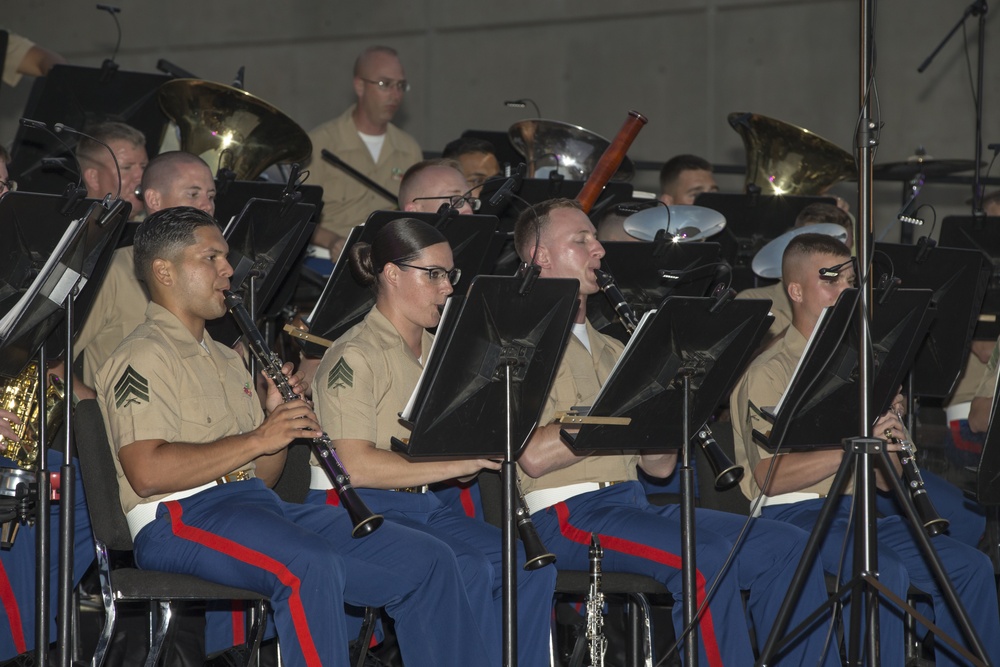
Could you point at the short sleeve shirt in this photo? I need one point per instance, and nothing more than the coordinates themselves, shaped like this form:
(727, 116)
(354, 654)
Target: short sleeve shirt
(988, 383)
(781, 309)
(17, 49)
(578, 381)
(162, 384)
(365, 380)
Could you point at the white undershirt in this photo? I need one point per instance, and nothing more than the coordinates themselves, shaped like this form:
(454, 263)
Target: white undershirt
(374, 143)
(580, 331)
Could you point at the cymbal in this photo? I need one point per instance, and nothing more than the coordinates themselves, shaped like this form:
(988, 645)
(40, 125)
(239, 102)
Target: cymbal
(683, 223)
(767, 262)
(928, 167)
(552, 145)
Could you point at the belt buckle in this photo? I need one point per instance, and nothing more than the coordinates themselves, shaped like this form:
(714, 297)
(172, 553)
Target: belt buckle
(237, 476)
(412, 489)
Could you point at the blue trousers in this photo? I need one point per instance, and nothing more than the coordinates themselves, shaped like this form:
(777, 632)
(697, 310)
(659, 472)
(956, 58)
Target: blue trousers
(17, 570)
(477, 547)
(901, 563)
(645, 539)
(966, 519)
(304, 558)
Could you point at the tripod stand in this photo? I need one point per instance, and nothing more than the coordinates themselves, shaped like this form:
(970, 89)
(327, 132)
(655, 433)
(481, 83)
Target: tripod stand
(822, 385)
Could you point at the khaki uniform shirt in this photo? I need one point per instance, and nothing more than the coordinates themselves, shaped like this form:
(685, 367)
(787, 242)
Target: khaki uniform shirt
(578, 382)
(761, 386)
(988, 379)
(781, 309)
(119, 307)
(346, 202)
(17, 49)
(161, 384)
(365, 380)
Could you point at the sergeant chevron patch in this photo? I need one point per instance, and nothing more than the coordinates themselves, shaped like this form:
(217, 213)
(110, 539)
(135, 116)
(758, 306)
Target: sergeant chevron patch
(341, 375)
(131, 388)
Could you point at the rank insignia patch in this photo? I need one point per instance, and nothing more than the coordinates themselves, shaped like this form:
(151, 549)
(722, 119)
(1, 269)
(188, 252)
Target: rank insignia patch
(341, 375)
(132, 388)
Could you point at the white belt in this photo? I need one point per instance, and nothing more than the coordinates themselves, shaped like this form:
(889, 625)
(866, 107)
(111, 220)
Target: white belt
(317, 251)
(144, 513)
(957, 411)
(539, 500)
(318, 479)
(784, 499)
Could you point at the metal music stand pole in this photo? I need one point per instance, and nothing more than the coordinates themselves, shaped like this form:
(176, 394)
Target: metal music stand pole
(42, 546)
(67, 496)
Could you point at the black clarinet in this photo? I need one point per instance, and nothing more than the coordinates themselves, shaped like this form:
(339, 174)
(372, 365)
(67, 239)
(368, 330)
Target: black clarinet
(933, 522)
(625, 314)
(365, 521)
(535, 553)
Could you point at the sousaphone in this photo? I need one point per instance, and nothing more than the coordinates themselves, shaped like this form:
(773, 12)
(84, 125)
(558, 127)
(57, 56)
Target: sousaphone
(570, 150)
(231, 129)
(783, 159)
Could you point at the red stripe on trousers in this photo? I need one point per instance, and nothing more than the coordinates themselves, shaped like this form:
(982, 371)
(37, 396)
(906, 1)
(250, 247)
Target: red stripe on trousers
(13, 612)
(465, 494)
(332, 497)
(257, 559)
(705, 624)
(239, 623)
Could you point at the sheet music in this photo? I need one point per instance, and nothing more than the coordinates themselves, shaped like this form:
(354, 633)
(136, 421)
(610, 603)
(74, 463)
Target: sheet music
(60, 286)
(444, 325)
(805, 355)
(646, 317)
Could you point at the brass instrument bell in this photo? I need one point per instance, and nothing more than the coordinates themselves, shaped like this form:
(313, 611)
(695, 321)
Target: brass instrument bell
(783, 159)
(231, 129)
(551, 145)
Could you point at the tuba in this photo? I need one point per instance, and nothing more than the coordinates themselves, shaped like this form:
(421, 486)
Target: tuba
(231, 129)
(554, 147)
(783, 159)
(20, 396)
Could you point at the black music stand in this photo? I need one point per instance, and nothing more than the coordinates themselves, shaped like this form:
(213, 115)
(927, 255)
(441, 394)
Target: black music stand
(647, 273)
(79, 96)
(232, 196)
(484, 385)
(264, 242)
(982, 234)
(343, 302)
(751, 221)
(52, 257)
(958, 279)
(678, 365)
(826, 375)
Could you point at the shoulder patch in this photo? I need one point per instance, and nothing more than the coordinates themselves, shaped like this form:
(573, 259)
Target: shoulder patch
(341, 375)
(131, 388)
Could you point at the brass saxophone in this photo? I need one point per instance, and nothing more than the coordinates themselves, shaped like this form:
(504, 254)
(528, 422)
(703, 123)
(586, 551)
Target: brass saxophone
(596, 640)
(20, 396)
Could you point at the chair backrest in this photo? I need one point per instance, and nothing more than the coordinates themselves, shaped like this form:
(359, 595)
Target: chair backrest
(100, 479)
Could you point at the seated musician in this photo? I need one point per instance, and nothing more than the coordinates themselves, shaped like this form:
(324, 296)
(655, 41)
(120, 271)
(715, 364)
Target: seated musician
(573, 494)
(799, 481)
(478, 159)
(430, 183)
(197, 456)
(365, 380)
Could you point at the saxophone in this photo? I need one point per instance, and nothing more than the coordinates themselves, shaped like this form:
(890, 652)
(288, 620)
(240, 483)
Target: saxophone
(20, 396)
(596, 640)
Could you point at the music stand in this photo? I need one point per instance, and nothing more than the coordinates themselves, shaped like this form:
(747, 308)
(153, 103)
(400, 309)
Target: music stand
(232, 196)
(827, 373)
(79, 96)
(639, 269)
(982, 234)
(49, 263)
(958, 279)
(677, 367)
(343, 302)
(483, 388)
(751, 221)
(535, 190)
(264, 241)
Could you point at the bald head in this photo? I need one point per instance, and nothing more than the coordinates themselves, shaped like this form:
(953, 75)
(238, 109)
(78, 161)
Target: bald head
(439, 179)
(178, 178)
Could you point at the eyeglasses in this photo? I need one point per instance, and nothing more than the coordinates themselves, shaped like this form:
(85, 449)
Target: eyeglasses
(458, 201)
(436, 273)
(402, 85)
(8, 186)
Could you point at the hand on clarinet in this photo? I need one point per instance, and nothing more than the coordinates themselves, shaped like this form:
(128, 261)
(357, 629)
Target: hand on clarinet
(288, 421)
(296, 381)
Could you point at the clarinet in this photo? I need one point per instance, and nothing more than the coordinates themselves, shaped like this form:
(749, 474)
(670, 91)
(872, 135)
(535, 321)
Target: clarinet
(933, 522)
(364, 520)
(596, 640)
(535, 554)
(625, 314)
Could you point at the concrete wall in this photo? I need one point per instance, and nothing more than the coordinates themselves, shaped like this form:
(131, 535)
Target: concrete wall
(684, 63)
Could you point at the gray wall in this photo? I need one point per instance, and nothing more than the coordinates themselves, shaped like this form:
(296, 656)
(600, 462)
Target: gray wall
(683, 63)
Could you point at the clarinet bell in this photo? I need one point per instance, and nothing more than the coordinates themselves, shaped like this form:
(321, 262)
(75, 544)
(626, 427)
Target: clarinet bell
(365, 521)
(727, 474)
(535, 554)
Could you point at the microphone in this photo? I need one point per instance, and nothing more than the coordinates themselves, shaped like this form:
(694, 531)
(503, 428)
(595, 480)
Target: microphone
(109, 9)
(510, 186)
(59, 127)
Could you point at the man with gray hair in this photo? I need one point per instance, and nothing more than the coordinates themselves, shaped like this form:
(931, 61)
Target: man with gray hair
(99, 172)
(365, 138)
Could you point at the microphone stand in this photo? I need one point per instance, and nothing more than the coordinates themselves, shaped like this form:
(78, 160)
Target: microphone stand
(979, 9)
